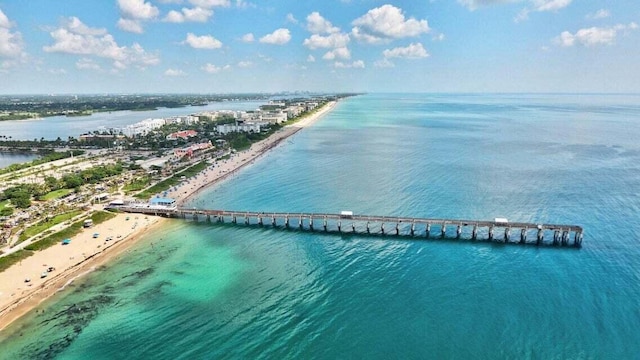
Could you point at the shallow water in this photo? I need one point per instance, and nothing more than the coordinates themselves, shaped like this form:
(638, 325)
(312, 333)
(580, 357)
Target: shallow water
(224, 291)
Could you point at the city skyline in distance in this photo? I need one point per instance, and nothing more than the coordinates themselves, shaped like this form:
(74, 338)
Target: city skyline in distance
(224, 46)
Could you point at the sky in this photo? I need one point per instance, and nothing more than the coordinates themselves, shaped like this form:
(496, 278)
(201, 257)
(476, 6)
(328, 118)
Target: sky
(226, 46)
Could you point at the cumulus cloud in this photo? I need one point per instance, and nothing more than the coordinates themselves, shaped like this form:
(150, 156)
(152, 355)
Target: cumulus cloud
(386, 23)
(292, 19)
(311, 58)
(207, 4)
(540, 6)
(196, 14)
(279, 37)
(593, 36)
(133, 26)
(475, 4)
(73, 37)
(248, 38)
(413, 51)
(600, 14)
(202, 42)
(358, 64)
(213, 69)
(11, 45)
(384, 63)
(133, 12)
(316, 24)
(75, 25)
(4, 20)
(334, 40)
(137, 9)
(174, 72)
(338, 53)
(244, 4)
(550, 5)
(245, 64)
(87, 64)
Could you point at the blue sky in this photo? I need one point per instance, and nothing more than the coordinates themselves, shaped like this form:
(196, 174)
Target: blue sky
(215, 46)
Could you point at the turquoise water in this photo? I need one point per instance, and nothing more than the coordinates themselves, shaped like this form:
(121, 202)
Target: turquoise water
(221, 291)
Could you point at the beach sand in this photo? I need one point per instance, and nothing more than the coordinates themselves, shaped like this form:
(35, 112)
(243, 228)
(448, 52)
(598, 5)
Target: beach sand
(86, 253)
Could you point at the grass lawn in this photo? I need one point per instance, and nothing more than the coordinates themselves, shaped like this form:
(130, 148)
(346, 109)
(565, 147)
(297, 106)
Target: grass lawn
(137, 184)
(74, 229)
(7, 261)
(56, 194)
(44, 225)
(172, 181)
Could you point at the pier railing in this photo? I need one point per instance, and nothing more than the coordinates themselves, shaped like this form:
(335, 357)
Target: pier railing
(496, 230)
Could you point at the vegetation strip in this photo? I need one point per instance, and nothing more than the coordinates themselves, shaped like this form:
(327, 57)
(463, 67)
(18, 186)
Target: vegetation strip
(69, 232)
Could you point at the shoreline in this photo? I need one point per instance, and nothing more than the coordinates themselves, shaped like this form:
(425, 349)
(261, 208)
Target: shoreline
(17, 298)
(214, 175)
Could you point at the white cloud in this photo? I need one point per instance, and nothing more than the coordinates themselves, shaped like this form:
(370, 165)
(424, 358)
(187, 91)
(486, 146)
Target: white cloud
(438, 37)
(384, 63)
(137, 9)
(278, 37)
(600, 14)
(475, 4)
(292, 19)
(202, 42)
(213, 69)
(210, 3)
(248, 38)
(541, 6)
(550, 5)
(592, 36)
(358, 64)
(196, 14)
(244, 4)
(245, 64)
(174, 72)
(78, 41)
(339, 53)
(78, 27)
(316, 24)
(335, 40)
(310, 58)
(11, 45)
(58, 71)
(4, 21)
(87, 64)
(413, 51)
(130, 25)
(385, 23)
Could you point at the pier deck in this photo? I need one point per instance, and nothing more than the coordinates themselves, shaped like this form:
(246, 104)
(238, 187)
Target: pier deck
(372, 224)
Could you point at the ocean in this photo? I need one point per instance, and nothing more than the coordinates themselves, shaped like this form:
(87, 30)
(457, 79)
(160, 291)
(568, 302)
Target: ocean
(198, 290)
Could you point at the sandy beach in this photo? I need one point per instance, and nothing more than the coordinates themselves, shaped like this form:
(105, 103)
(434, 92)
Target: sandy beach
(237, 161)
(85, 253)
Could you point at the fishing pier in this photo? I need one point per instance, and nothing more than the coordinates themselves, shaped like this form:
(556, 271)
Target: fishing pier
(499, 230)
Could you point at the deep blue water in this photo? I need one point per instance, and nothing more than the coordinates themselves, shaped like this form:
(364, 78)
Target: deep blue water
(223, 291)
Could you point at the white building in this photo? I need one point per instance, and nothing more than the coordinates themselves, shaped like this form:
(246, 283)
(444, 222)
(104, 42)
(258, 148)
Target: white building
(244, 127)
(274, 117)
